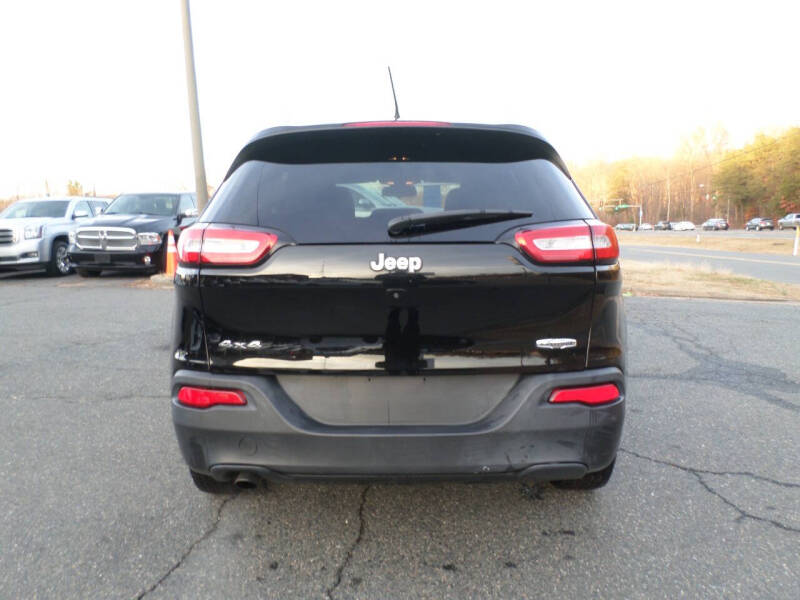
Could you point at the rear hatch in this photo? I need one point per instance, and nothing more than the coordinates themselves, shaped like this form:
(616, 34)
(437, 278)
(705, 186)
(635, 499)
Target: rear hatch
(337, 292)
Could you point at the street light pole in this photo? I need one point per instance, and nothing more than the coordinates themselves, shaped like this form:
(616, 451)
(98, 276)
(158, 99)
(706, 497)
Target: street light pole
(194, 110)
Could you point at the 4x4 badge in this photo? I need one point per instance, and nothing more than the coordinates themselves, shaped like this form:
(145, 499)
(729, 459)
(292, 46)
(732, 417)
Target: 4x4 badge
(412, 264)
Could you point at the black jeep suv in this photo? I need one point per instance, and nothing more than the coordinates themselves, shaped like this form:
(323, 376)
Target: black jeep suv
(131, 234)
(469, 327)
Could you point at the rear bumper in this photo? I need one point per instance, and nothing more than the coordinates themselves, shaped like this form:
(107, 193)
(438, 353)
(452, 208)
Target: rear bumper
(523, 436)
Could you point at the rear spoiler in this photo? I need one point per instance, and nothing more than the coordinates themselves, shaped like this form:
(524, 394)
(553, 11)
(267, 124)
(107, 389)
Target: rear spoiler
(440, 143)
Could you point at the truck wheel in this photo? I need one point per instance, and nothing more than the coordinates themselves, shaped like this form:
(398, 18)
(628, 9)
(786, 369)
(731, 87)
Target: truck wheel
(59, 261)
(87, 273)
(592, 481)
(209, 485)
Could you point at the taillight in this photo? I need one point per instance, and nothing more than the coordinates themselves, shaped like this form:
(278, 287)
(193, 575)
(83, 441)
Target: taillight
(557, 244)
(606, 246)
(195, 397)
(591, 395)
(189, 244)
(220, 245)
(570, 243)
(226, 246)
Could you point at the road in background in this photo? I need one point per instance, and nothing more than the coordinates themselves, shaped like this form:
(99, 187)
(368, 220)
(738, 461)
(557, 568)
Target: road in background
(730, 233)
(772, 267)
(96, 501)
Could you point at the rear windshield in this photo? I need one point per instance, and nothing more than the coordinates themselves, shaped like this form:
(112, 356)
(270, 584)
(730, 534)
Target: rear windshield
(354, 202)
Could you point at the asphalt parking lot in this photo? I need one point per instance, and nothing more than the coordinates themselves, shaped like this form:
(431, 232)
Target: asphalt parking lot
(96, 501)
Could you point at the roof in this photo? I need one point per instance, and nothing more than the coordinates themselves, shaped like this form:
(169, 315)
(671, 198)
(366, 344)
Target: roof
(272, 131)
(290, 142)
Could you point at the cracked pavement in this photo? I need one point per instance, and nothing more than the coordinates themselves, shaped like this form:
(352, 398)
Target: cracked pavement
(96, 502)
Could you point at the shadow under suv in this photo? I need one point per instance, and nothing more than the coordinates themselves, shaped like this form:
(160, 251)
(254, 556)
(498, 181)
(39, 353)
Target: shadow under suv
(470, 328)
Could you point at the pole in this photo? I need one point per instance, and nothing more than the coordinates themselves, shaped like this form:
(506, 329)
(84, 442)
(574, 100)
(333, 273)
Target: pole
(194, 110)
(796, 240)
(669, 198)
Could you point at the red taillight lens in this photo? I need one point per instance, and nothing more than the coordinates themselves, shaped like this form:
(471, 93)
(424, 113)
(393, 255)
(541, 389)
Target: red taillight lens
(226, 246)
(570, 243)
(606, 246)
(591, 395)
(219, 245)
(205, 398)
(189, 244)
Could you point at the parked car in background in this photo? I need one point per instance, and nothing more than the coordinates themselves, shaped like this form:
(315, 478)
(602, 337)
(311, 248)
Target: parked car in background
(34, 234)
(625, 227)
(759, 223)
(716, 225)
(683, 226)
(646, 227)
(791, 220)
(663, 226)
(131, 234)
(312, 342)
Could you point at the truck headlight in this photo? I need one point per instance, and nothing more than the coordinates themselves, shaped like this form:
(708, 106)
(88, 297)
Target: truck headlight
(33, 231)
(149, 238)
(72, 236)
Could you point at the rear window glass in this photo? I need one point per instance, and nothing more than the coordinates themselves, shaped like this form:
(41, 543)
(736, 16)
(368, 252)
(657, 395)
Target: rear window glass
(354, 202)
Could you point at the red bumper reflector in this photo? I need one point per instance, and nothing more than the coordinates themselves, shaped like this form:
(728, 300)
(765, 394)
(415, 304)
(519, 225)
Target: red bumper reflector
(204, 398)
(591, 395)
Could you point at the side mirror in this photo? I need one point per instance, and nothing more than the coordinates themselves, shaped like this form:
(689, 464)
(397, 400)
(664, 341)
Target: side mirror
(80, 214)
(189, 213)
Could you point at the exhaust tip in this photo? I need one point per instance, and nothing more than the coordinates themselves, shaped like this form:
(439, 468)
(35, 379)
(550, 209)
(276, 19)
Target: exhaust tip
(246, 481)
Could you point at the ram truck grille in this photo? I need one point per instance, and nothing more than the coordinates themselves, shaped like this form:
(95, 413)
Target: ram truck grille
(106, 238)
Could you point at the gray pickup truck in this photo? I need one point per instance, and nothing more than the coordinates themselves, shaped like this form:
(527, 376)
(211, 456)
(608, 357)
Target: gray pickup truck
(34, 233)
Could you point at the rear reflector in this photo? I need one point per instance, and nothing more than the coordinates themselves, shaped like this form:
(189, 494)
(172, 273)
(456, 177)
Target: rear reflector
(570, 243)
(205, 398)
(398, 124)
(591, 395)
(219, 245)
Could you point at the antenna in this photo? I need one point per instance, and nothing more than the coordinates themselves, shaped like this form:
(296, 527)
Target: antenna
(396, 110)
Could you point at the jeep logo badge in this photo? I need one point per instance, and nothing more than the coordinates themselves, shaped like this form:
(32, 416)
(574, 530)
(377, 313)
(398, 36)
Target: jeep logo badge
(412, 264)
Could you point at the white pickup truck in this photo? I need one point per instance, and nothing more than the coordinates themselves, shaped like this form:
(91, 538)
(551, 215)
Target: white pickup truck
(34, 233)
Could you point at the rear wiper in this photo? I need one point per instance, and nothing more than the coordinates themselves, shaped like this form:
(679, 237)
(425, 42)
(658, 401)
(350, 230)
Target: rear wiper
(451, 219)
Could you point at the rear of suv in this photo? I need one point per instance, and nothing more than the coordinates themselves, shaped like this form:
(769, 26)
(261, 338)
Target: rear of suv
(469, 327)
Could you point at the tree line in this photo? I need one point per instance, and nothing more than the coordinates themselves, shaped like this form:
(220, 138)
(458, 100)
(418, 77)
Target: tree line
(704, 179)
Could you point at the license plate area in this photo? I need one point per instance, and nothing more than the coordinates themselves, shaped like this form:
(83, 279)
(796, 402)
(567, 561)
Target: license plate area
(103, 259)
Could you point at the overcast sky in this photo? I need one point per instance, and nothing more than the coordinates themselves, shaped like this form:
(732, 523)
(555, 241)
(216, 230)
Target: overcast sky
(95, 91)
